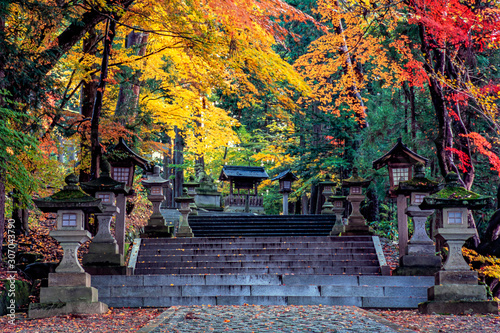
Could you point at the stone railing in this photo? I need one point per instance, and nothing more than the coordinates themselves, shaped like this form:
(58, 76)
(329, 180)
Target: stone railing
(239, 200)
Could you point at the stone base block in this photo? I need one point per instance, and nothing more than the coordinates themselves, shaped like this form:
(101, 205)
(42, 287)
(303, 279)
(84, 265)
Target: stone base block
(420, 261)
(415, 248)
(337, 229)
(156, 220)
(68, 294)
(103, 259)
(158, 231)
(457, 292)
(108, 270)
(109, 247)
(352, 230)
(454, 277)
(69, 280)
(185, 232)
(458, 307)
(415, 271)
(44, 310)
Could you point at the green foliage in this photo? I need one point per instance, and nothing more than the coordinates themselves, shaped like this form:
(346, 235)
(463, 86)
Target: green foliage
(388, 225)
(18, 150)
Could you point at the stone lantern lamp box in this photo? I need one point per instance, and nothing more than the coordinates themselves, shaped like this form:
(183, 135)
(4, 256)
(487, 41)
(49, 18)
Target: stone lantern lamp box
(69, 289)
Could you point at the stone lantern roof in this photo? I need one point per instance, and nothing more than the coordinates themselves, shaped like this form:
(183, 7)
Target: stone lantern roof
(70, 197)
(338, 195)
(155, 178)
(185, 197)
(328, 181)
(285, 175)
(105, 183)
(356, 180)
(454, 195)
(418, 183)
(191, 182)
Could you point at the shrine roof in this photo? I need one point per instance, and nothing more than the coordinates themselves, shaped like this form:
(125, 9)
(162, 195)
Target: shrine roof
(237, 172)
(400, 153)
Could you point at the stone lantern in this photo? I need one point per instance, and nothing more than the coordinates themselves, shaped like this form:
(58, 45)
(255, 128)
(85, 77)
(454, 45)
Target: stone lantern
(338, 209)
(356, 223)
(191, 185)
(184, 230)
(69, 289)
(456, 288)
(157, 226)
(419, 256)
(399, 161)
(123, 161)
(104, 257)
(327, 187)
(286, 179)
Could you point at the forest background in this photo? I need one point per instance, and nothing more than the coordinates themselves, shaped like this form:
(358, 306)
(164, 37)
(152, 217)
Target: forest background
(316, 86)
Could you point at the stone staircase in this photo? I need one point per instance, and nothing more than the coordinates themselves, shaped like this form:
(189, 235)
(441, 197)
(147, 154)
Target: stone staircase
(259, 255)
(268, 260)
(367, 291)
(239, 225)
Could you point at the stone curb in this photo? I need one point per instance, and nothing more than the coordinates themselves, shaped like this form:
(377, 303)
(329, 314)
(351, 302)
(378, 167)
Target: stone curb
(385, 322)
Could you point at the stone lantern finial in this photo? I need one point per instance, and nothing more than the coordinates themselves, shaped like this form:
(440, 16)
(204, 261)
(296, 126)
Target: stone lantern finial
(72, 182)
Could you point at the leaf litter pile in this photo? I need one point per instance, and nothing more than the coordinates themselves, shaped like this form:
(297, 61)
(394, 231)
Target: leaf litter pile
(115, 320)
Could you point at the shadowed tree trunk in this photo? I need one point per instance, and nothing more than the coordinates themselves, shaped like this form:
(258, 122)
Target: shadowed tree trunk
(87, 99)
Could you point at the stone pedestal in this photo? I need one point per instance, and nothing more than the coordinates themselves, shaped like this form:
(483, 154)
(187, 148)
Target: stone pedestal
(338, 227)
(67, 293)
(419, 257)
(457, 290)
(184, 228)
(157, 226)
(356, 223)
(69, 289)
(103, 250)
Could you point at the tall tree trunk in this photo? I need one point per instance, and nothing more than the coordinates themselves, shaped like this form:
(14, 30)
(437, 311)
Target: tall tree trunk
(444, 139)
(19, 215)
(95, 145)
(87, 99)
(178, 161)
(128, 97)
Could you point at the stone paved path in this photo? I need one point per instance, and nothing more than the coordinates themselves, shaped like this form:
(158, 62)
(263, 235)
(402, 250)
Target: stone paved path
(257, 318)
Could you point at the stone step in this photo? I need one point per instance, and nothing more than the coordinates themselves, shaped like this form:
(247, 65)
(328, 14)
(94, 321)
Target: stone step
(256, 263)
(222, 217)
(268, 251)
(260, 270)
(259, 232)
(219, 240)
(263, 257)
(169, 290)
(259, 245)
(262, 279)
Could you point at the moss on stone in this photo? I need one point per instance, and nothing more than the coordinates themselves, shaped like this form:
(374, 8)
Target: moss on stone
(458, 193)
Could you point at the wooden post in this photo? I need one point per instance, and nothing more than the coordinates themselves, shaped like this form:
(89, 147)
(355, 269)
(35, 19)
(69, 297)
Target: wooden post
(402, 224)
